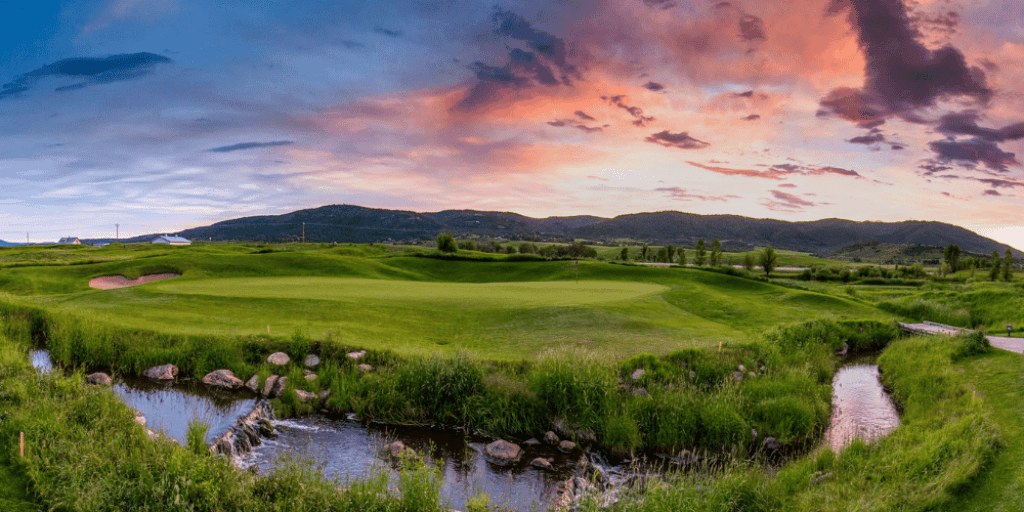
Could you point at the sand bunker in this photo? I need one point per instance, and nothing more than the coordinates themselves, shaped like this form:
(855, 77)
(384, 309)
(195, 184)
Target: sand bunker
(111, 282)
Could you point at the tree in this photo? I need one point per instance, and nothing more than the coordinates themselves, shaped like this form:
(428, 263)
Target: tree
(748, 261)
(716, 253)
(700, 254)
(1008, 266)
(625, 254)
(682, 256)
(662, 254)
(446, 242)
(952, 257)
(768, 260)
(671, 253)
(643, 253)
(993, 272)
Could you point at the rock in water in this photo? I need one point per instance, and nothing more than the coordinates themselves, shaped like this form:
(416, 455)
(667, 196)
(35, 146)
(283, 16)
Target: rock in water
(541, 463)
(310, 376)
(531, 442)
(162, 372)
(268, 386)
(311, 361)
(99, 379)
(254, 383)
(363, 368)
(567, 446)
(223, 379)
(551, 438)
(356, 355)
(504, 452)
(279, 358)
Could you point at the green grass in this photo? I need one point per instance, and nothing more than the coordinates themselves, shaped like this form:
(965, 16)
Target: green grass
(998, 379)
(354, 291)
(499, 309)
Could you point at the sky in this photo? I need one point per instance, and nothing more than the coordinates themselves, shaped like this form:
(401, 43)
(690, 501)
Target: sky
(159, 115)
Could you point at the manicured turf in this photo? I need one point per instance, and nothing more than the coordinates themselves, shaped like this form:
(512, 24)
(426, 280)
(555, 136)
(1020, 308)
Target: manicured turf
(998, 378)
(512, 295)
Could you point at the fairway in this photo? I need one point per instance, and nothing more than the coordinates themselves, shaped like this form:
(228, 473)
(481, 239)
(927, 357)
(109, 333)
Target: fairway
(528, 294)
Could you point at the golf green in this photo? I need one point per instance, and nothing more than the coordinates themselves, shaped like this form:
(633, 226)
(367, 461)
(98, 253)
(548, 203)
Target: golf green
(529, 294)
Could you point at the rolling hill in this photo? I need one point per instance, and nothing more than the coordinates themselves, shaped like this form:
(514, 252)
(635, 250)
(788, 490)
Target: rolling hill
(348, 223)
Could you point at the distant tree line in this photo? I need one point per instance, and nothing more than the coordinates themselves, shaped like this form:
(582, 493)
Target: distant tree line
(447, 243)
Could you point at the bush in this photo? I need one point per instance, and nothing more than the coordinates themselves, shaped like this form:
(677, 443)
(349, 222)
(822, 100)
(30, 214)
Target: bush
(446, 243)
(970, 344)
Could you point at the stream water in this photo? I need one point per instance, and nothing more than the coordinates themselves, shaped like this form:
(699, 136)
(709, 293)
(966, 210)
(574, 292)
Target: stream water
(860, 406)
(346, 448)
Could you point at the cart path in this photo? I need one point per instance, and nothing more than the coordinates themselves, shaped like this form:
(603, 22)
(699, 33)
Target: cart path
(1010, 344)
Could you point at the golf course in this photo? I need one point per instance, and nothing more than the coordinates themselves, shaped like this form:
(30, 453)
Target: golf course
(627, 359)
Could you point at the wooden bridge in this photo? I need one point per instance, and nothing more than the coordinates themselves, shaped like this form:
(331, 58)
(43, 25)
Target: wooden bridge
(929, 328)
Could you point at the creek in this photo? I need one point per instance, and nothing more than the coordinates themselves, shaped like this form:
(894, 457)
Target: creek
(861, 409)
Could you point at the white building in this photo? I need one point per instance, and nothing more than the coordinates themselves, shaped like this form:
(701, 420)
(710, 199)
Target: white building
(70, 240)
(171, 240)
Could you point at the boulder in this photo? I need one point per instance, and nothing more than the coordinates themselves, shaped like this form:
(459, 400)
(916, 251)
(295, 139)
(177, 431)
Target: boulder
(99, 379)
(140, 419)
(268, 386)
(551, 438)
(310, 376)
(223, 379)
(742, 369)
(541, 463)
(162, 372)
(267, 429)
(566, 446)
(398, 450)
(253, 383)
(363, 368)
(637, 374)
(279, 387)
(693, 375)
(311, 361)
(279, 358)
(305, 396)
(737, 375)
(503, 452)
(770, 444)
(356, 355)
(531, 442)
(324, 394)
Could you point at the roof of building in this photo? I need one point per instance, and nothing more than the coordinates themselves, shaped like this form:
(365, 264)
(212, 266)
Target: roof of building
(68, 240)
(172, 239)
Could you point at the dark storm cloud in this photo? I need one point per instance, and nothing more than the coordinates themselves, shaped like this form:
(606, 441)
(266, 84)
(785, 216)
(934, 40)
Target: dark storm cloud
(545, 63)
(873, 137)
(966, 123)
(389, 33)
(998, 183)
(744, 94)
(902, 74)
(250, 145)
(653, 86)
(639, 119)
(583, 115)
(973, 152)
(660, 4)
(680, 140)
(94, 70)
(991, 192)
(751, 28)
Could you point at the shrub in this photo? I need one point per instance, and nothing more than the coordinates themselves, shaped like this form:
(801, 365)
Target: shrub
(970, 344)
(446, 243)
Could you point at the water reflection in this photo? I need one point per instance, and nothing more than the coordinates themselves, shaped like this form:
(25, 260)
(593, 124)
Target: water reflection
(861, 409)
(169, 409)
(348, 449)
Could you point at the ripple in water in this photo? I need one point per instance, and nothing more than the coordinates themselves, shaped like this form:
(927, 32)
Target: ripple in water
(861, 409)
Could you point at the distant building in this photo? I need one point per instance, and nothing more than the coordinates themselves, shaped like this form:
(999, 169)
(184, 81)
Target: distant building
(172, 240)
(70, 240)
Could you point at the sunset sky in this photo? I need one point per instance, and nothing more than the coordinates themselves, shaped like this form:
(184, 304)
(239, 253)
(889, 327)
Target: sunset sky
(165, 114)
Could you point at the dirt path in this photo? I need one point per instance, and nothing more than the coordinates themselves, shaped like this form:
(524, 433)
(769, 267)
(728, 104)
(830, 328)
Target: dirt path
(112, 282)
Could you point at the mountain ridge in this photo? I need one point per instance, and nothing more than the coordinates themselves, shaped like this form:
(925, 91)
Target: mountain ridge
(357, 224)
